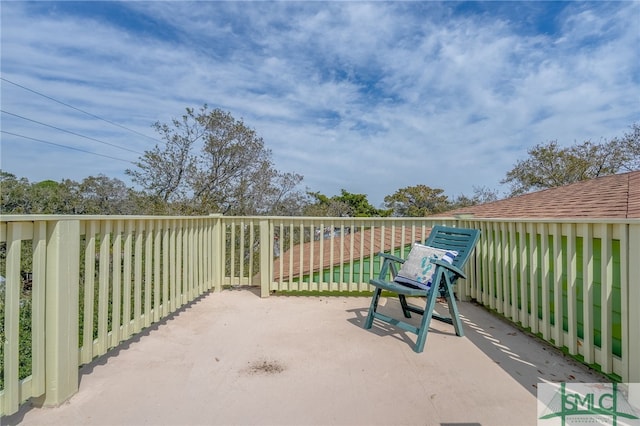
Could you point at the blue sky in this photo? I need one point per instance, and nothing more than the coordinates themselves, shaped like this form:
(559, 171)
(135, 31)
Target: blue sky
(369, 97)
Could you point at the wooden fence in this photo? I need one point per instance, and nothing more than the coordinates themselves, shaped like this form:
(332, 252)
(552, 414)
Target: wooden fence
(76, 286)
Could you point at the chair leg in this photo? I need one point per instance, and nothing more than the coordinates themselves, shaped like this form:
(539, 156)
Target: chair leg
(426, 320)
(373, 308)
(405, 306)
(453, 311)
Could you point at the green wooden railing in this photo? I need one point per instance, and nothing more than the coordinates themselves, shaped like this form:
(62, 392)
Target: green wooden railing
(77, 286)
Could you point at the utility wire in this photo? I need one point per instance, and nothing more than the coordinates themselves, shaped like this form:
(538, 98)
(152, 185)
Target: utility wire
(70, 132)
(80, 110)
(66, 146)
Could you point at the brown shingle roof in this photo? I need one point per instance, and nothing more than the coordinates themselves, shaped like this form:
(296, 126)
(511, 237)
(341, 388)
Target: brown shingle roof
(633, 209)
(614, 196)
(291, 258)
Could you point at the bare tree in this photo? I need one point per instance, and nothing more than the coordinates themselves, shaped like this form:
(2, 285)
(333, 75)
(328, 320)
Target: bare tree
(550, 165)
(212, 162)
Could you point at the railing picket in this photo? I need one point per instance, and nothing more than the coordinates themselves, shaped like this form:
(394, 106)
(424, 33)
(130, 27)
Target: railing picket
(167, 300)
(312, 256)
(173, 262)
(116, 297)
(513, 264)
(558, 254)
(187, 254)
(545, 256)
(332, 262)
(103, 286)
(352, 284)
(364, 285)
(38, 298)
(371, 249)
(127, 274)
(201, 258)
(627, 307)
(192, 280)
(485, 260)
(572, 288)
(148, 273)
(137, 283)
(524, 278)
(243, 249)
(495, 287)
(180, 269)
(321, 285)
(232, 252)
(89, 291)
(587, 293)
(502, 258)
(606, 291)
(206, 254)
(304, 229)
(252, 238)
(267, 273)
(340, 285)
(291, 244)
(630, 302)
(534, 322)
(157, 278)
(13, 288)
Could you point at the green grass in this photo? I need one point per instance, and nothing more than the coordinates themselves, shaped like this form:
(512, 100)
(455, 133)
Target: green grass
(24, 344)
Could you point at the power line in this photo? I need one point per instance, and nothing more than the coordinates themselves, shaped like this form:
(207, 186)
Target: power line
(70, 132)
(66, 146)
(80, 110)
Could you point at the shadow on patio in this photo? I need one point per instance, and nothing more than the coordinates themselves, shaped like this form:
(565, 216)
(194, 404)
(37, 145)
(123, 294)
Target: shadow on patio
(235, 358)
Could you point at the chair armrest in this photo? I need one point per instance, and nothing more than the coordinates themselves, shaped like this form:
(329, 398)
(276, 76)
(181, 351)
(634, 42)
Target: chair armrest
(389, 261)
(388, 256)
(449, 267)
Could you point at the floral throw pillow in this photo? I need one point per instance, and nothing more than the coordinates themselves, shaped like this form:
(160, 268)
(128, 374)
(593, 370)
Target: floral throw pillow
(417, 270)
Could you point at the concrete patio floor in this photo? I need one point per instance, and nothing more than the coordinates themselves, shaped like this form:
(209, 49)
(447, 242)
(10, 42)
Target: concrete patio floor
(232, 358)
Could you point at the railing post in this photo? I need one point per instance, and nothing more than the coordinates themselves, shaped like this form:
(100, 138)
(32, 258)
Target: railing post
(217, 253)
(266, 262)
(632, 304)
(62, 316)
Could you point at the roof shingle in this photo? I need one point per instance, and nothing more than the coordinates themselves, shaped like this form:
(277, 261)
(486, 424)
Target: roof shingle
(614, 196)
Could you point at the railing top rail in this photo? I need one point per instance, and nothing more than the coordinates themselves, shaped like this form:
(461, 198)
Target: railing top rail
(46, 217)
(545, 220)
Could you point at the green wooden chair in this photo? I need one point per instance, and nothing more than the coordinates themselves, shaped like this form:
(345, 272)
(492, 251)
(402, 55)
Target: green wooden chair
(460, 240)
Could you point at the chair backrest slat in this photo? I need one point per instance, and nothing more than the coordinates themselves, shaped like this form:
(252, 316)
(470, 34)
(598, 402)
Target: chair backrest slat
(462, 240)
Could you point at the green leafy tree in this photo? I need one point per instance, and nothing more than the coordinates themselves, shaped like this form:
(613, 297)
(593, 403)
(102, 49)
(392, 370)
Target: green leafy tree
(358, 204)
(417, 201)
(346, 204)
(212, 162)
(103, 195)
(93, 195)
(14, 192)
(550, 165)
(19, 196)
(50, 197)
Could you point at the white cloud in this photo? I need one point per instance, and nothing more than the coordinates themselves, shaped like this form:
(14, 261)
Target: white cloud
(357, 95)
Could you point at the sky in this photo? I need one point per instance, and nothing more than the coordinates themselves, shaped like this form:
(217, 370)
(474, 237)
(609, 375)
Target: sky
(365, 96)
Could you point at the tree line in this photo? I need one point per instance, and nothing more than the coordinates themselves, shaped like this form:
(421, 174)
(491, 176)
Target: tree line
(211, 162)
